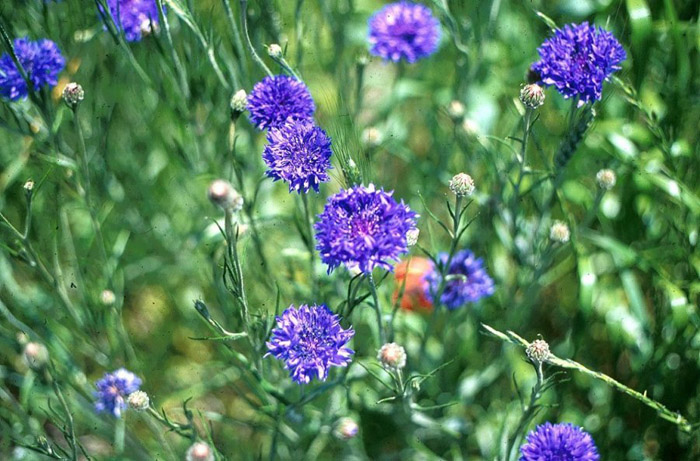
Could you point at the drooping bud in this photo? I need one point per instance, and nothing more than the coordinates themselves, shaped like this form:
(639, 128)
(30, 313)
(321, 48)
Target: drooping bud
(606, 179)
(532, 95)
(462, 185)
(346, 428)
(275, 51)
(138, 401)
(72, 94)
(107, 297)
(222, 194)
(392, 356)
(36, 356)
(538, 351)
(199, 451)
(455, 110)
(412, 236)
(559, 232)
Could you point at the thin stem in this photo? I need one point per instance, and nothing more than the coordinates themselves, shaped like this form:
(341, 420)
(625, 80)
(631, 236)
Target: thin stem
(69, 418)
(377, 308)
(528, 412)
(244, 22)
(309, 239)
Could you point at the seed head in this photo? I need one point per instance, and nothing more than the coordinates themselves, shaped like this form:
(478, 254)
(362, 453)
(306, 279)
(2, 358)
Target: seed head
(222, 194)
(462, 185)
(138, 400)
(532, 95)
(392, 356)
(606, 179)
(538, 351)
(559, 232)
(275, 51)
(36, 356)
(200, 451)
(346, 429)
(107, 297)
(72, 94)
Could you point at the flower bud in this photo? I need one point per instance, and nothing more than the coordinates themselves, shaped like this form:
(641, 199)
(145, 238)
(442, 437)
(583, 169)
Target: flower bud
(138, 401)
(222, 194)
(455, 110)
(532, 95)
(412, 236)
(239, 102)
(606, 179)
(346, 429)
(392, 356)
(462, 185)
(29, 185)
(107, 297)
(72, 94)
(36, 356)
(559, 232)
(200, 451)
(275, 51)
(538, 351)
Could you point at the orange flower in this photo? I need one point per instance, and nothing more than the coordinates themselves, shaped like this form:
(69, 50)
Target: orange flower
(412, 272)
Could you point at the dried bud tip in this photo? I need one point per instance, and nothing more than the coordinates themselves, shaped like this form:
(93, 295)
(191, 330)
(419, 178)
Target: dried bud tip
(392, 356)
(72, 94)
(538, 351)
(606, 179)
(200, 451)
(559, 232)
(462, 185)
(222, 194)
(532, 95)
(138, 401)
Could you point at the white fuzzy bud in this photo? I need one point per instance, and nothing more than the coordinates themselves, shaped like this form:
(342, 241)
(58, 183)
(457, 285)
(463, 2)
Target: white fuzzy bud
(107, 297)
(606, 179)
(392, 356)
(35, 355)
(222, 194)
(462, 185)
(275, 51)
(138, 400)
(538, 351)
(532, 95)
(559, 232)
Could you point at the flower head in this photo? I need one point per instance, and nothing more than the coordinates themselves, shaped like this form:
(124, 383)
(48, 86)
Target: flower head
(403, 30)
(559, 232)
(363, 227)
(310, 340)
(275, 99)
(41, 60)
(532, 95)
(554, 442)
(467, 280)
(392, 356)
(299, 153)
(113, 389)
(538, 351)
(135, 17)
(578, 59)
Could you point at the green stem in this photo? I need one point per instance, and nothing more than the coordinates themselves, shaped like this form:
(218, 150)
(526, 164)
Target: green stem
(251, 48)
(377, 308)
(528, 412)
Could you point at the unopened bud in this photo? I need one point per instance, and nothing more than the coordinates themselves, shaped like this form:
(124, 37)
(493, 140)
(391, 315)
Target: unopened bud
(532, 95)
(200, 451)
(346, 429)
(412, 236)
(138, 400)
(606, 179)
(455, 109)
(275, 51)
(559, 232)
(107, 297)
(538, 351)
(29, 185)
(222, 194)
(239, 102)
(72, 94)
(392, 356)
(36, 355)
(462, 185)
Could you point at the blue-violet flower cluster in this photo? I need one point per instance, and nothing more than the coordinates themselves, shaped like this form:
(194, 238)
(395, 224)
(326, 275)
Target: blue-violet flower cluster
(403, 30)
(363, 227)
(299, 153)
(113, 389)
(278, 98)
(468, 280)
(41, 60)
(135, 17)
(309, 340)
(558, 442)
(578, 59)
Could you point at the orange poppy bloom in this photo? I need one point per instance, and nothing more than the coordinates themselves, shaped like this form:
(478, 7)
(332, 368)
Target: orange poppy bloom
(412, 272)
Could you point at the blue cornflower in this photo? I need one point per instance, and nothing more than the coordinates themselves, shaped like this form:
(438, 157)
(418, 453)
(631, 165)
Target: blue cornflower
(275, 99)
(299, 153)
(578, 59)
(363, 227)
(42, 60)
(309, 340)
(403, 30)
(555, 442)
(468, 280)
(135, 17)
(113, 389)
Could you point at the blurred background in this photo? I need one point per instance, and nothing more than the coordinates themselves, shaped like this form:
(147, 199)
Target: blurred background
(620, 298)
